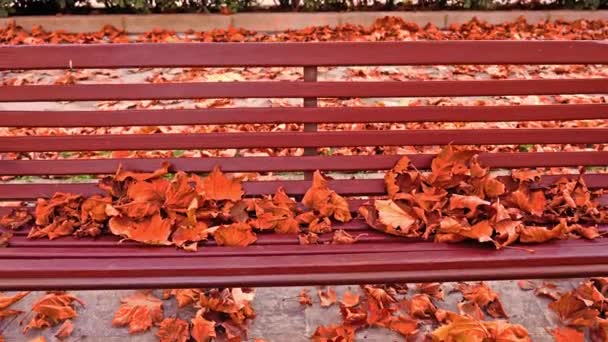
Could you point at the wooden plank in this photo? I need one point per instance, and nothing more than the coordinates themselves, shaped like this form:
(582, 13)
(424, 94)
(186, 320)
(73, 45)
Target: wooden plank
(214, 116)
(303, 139)
(291, 164)
(278, 89)
(308, 279)
(301, 54)
(350, 187)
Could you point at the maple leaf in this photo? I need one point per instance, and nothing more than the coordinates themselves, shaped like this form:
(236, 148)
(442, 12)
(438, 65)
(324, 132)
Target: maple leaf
(173, 330)
(467, 202)
(184, 297)
(350, 299)
(341, 237)
(451, 230)
(403, 325)
(94, 208)
(53, 230)
(421, 306)
(304, 298)
(471, 309)
(449, 167)
(202, 329)
(533, 202)
(234, 235)
(484, 297)
(393, 215)
(189, 237)
(16, 219)
(564, 334)
(334, 333)
(45, 209)
(4, 238)
(531, 234)
(153, 230)
(574, 312)
(402, 178)
(218, 187)
(327, 297)
(52, 309)
(65, 330)
(309, 238)
(432, 289)
(179, 194)
(327, 202)
(122, 175)
(6, 301)
(139, 311)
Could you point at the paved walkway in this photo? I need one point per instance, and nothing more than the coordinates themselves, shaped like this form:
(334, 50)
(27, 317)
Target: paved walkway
(279, 316)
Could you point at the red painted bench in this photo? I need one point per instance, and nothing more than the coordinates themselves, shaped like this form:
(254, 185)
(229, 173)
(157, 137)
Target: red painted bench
(278, 259)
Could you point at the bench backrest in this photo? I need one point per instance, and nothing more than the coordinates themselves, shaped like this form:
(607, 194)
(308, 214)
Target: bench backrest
(310, 56)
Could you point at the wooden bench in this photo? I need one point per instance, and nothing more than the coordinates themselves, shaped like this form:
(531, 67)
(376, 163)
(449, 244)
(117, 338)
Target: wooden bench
(70, 263)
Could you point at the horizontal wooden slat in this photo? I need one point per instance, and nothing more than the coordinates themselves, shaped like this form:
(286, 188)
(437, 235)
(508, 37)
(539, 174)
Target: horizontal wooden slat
(576, 257)
(293, 164)
(301, 115)
(303, 139)
(350, 187)
(301, 54)
(276, 89)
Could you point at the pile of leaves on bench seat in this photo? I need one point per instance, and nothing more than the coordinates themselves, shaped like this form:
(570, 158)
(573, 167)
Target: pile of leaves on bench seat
(457, 200)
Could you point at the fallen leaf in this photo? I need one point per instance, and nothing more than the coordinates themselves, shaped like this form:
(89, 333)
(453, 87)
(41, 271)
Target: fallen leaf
(327, 297)
(173, 330)
(139, 311)
(304, 298)
(334, 333)
(350, 299)
(218, 187)
(65, 330)
(202, 329)
(564, 334)
(4, 238)
(52, 309)
(122, 175)
(235, 235)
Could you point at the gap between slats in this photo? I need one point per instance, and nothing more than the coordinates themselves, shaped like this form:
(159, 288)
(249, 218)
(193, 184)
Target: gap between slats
(303, 139)
(291, 164)
(302, 115)
(279, 89)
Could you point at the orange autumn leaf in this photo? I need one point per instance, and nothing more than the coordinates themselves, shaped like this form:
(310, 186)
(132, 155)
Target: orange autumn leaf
(392, 215)
(122, 175)
(139, 311)
(188, 237)
(564, 334)
(179, 193)
(53, 230)
(6, 301)
(304, 297)
(471, 309)
(4, 238)
(572, 311)
(463, 328)
(234, 235)
(421, 306)
(52, 309)
(202, 329)
(350, 299)
(334, 333)
(16, 219)
(531, 234)
(401, 324)
(403, 177)
(184, 297)
(173, 330)
(65, 330)
(327, 202)
(38, 339)
(327, 297)
(432, 289)
(94, 208)
(218, 187)
(153, 230)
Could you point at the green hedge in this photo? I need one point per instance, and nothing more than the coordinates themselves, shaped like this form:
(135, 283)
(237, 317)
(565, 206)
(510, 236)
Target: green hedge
(37, 7)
